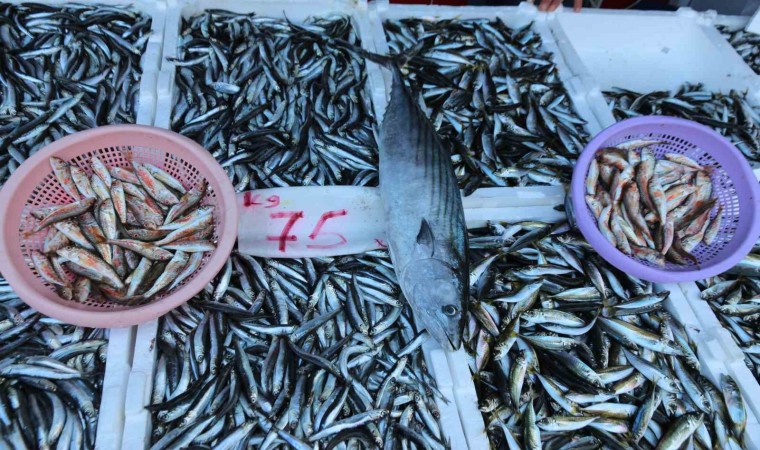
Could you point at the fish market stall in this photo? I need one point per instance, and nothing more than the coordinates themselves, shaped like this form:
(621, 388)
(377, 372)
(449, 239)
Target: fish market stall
(559, 347)
(63, 384)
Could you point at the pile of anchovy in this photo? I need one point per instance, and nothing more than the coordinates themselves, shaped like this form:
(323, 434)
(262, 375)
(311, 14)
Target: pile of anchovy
(495, 98)
(735, 299)
(570, 352)
(65, 69)
(62, 69)
(729, 114)
(288, 352)
(277, 104)
(746, 44)
(293, 353)
(51, 375)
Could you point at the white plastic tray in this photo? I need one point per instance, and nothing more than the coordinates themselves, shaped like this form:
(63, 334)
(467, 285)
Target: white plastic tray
(515, 17)
(121, 340)
(530, 203)
(140, 384)
(650, 50)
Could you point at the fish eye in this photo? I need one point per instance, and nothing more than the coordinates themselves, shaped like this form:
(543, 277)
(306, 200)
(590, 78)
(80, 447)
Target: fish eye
(450, 310)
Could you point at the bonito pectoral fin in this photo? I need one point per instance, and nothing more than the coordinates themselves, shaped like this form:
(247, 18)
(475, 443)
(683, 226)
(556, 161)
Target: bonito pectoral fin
(425, 247)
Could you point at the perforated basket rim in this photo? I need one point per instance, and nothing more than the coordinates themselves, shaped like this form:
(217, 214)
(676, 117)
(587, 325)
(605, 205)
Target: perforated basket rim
(30, 174)
(625, 263)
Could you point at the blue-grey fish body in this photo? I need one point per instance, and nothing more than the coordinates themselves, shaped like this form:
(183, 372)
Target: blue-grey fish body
(426, 227)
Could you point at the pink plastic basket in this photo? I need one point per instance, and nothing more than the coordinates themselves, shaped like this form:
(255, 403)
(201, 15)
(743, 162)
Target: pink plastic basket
(734, 186)
(33, 185)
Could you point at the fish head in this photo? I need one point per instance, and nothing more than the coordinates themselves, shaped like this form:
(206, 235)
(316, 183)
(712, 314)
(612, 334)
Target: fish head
(437, 294)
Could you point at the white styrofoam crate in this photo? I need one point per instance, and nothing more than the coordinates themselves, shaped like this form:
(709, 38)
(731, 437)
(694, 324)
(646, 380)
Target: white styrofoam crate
(138, 419)
(650, 50)
(515, 17)
(121, 340)
(592, 72)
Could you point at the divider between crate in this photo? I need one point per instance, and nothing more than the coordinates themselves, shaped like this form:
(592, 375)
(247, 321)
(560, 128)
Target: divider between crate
(139, 388)
(449, 409)
(722, 355)
(118, 366)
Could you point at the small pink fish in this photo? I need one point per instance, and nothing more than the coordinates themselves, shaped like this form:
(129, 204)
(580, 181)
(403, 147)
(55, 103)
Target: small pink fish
(143, 248)
(101, 171)
(45, 269)
(54, 240)
(119, 202)
(62, 172)
(153, 187)
(125, 175)
(65, 212)
(92, 264)
(82, 182)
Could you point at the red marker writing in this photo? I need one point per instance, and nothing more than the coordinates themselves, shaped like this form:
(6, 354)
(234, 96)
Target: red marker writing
(250, 200)
(318, 228)
(273, 200)
(284, 237)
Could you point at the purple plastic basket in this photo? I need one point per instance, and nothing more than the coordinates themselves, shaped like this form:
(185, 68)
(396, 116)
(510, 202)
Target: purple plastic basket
(734, 186)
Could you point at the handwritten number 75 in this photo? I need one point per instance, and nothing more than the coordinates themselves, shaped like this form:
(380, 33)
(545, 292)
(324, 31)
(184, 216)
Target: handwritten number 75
(294, 216)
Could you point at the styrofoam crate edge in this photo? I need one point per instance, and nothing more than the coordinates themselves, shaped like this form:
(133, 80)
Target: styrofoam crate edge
(111, 411)
(139, 387)
(678, 306)
(750, 390)
(604, 12)
(713, 368)
(466, 398)
(754, 23)
(729, 21)
(718, 354)
(573, 85)
(701, 308)
(749, 80)
(451, 425)
(722, 43)
(584, 90)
